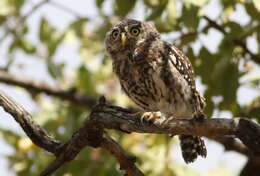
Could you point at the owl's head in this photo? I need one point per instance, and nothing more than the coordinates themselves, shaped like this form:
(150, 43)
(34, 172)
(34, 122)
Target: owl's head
(127, 34)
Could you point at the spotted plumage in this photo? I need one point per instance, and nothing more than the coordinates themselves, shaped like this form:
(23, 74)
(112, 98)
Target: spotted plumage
(156, 76)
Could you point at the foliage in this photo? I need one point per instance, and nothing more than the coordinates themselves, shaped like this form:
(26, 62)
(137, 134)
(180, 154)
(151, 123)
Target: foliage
(231, 66)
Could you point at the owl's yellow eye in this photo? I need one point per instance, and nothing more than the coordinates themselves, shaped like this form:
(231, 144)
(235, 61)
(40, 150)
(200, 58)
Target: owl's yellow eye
(135, 31)
(115, 34)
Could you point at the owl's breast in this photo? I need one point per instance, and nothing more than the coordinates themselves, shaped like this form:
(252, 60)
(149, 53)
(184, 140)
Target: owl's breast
(154, 85)
(175, 96)
(137, 84)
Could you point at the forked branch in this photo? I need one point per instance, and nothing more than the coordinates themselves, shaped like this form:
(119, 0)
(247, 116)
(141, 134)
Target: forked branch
(106, 116)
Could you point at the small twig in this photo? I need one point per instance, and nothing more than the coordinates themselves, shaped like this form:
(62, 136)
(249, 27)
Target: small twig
(41, 87)
(66, 9)
(215, 25)
(126, 161)
(238, 41)
(34, 8)
(22, 19)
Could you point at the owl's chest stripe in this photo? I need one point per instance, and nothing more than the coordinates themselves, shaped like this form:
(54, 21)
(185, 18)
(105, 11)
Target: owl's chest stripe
(151, 88)
(145, 82)
(136, 97)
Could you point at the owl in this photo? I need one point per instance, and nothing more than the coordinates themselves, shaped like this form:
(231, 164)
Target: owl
(157, 76)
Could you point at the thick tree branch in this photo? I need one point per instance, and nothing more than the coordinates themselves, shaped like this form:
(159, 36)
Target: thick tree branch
(41, 87)
(37, 134)
(233, 144)
(105, 116)
(90, 134)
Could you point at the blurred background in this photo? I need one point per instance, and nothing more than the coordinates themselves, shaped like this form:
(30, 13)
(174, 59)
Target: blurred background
(59, 45)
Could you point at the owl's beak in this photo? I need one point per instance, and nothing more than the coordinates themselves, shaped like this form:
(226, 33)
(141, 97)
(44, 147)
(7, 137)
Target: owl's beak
(123, 39)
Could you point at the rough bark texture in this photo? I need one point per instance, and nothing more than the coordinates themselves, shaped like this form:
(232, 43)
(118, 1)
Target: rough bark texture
(105, 116)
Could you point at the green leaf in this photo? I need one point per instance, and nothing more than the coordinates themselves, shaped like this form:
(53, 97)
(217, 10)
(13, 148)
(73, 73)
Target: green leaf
(252, 11)
(78, 27)
(50, 36)
(99, 3)
(196, 2)
(18, 3)
(228, 3)
(187, 38)
(258, 37)
(152, 3)
(224, 79)
(251, 110)
(190, 17)
(27, 47)
(123, 7)
(2, 19)
(254, 81)
(54, 69)
(22, 44)
(14, 45)
(157, 10)
(46, 30)
(163, 26)
(205, 62)
(171, 12)
(257, 4)
(25, 29)
(254, 110)
(235, 30)
(86, 83)
(10, 137)
(249, 30)
(209, 109)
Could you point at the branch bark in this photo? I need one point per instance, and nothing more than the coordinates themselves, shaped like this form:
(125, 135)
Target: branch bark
(90, 134)
(106, 116)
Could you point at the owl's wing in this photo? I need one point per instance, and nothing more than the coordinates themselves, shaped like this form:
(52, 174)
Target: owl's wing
(183, 65)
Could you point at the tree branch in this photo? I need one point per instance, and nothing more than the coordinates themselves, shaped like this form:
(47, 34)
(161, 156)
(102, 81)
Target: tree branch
(67, 9)
(37, 134)
(105, 116)
(232, 144)
(22, 19)
(90, 134)
(41, 87)
(238, 41)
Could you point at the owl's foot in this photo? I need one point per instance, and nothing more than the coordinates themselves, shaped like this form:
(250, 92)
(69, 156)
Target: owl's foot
(152, 117)
(200, 117)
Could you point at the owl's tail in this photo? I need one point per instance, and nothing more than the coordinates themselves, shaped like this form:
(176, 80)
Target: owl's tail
(191, 147)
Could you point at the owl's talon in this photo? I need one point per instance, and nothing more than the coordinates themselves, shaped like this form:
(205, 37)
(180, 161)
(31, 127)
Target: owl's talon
(200, 117)
(150, 117)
